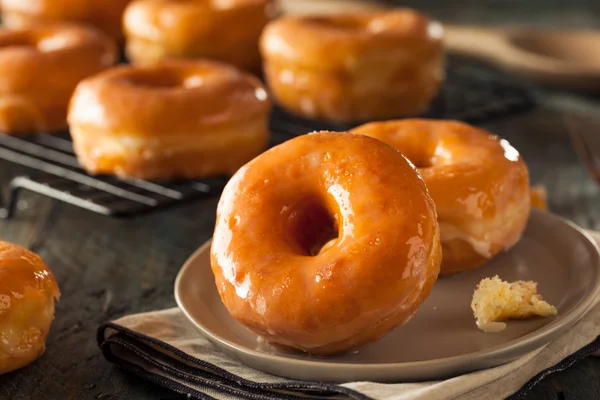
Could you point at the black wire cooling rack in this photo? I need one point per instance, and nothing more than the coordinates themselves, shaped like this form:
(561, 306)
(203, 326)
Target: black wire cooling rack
(470, 94)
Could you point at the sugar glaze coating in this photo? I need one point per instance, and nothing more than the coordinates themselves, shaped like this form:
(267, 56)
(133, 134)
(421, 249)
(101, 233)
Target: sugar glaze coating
(479, 182)
(354, 67)
(223, 30)
(325, 242)
(176, 119)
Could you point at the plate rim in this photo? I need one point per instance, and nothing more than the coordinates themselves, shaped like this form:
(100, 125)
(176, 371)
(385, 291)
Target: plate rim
(516, 347)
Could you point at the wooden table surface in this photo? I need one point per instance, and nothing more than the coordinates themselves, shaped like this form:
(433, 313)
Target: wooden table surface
(107, 267)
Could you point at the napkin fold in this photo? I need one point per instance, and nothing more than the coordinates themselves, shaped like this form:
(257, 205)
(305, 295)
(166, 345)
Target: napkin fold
(163, 347)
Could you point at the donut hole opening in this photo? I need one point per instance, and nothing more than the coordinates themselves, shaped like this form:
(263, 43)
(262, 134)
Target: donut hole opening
(418, 159)
(44, 43)
(401, 22)
(421, 162)
(341, 22)
(314, 229)
(165, 80)
(57, 41)
(149, 79)
(17, 40)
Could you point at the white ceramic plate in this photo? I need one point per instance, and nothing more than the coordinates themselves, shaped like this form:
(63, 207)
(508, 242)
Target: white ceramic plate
(442, 339)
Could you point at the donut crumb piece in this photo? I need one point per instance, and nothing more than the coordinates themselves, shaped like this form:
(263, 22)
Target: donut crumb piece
(495, 301)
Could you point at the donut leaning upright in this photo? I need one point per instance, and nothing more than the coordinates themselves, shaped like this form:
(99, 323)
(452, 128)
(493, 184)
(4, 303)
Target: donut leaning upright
(325, 242)
(479, 182)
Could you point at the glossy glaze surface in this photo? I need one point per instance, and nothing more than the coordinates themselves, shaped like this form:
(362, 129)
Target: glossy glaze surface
(479, 182)
(179, 119)
(224, 30)
(41, 67)
(354, 67)
(27, 293)
(105, 15)
(325, 243)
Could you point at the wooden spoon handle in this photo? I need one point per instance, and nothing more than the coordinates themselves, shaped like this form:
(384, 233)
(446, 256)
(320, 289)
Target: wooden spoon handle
(487, 44)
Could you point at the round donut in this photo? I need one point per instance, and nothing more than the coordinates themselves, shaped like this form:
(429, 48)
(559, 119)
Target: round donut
(41, 67)
(27, 294)
(479, 182)
(325, 243)
(178, 119)
(354, 67)
(105, 15)
(224, 30)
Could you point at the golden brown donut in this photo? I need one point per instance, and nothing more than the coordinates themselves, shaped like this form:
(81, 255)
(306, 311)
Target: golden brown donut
(224, 30)
(354, 67)
(105, 15)
(178, 119)
(325, 242)
(27, 293)
(479, 182)
(40, 68)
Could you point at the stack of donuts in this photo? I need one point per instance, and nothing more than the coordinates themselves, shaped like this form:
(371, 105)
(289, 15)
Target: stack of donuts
(323, 243)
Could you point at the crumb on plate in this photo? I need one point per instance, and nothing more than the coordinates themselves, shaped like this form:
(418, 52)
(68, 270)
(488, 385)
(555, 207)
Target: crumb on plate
(495, 301)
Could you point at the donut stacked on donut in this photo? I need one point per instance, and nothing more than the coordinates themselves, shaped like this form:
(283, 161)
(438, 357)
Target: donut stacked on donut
(226, 31)
(27, 294)
(325, 242)
(174, 120)
(105, 15)
(41, 66)
(354, 67)
(479, 183)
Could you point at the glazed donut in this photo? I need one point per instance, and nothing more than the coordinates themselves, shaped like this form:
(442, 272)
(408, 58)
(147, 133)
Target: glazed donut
(40, 68)
(479, 183)
(27, 294)
(105, 15)
(354, 67)
(325, 243)
(224, 30)
(179, 119)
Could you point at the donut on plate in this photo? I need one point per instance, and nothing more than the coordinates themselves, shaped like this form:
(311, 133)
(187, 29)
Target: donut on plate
(224, 30)
(105, 15)
(354, 67)
(41, 66)
(325, 243)
(479, 182)
(174, 120)
(27, 294)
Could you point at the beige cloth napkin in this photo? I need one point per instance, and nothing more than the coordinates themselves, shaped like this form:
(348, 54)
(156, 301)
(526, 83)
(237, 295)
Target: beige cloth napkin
(171, 331)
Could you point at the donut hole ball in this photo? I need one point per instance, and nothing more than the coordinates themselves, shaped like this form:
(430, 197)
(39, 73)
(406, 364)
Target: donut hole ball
(223, 30)
(28, 291)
